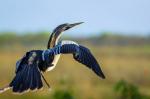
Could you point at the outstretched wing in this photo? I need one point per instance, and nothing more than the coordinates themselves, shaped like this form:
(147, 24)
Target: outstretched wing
(80, 54)
(85, 57)
(28, 75)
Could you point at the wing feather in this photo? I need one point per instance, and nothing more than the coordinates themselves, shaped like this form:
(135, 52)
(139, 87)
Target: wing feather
(34, 84)
(80, 54)
(18, 79)
(85, 57)
(28, 78)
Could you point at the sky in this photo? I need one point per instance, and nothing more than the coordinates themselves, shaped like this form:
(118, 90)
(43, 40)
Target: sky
(129, 17)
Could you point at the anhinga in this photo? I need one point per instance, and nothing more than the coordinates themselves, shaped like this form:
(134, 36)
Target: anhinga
(29, 69)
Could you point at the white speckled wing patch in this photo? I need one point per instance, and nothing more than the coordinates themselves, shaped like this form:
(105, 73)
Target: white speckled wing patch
(68, 42)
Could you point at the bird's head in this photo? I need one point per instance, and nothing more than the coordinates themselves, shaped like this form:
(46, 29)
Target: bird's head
(64, 27)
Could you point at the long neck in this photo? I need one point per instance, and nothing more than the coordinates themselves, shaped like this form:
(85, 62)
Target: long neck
(53, 40)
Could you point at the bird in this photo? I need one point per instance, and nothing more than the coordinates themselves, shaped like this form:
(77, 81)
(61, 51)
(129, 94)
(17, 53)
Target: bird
(30, 68)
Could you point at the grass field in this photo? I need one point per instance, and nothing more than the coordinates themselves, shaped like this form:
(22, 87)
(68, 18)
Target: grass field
(129, 63)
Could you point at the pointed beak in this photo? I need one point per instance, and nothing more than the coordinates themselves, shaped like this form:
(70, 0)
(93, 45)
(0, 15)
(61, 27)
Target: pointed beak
(75, 24)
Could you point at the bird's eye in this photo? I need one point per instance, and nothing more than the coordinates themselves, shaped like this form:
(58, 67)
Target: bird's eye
(66, 28)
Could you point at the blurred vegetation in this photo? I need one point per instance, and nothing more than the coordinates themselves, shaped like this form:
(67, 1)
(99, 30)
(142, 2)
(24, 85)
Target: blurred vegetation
(63, 94)
(105, 38)
(128, 91)
(121, 57)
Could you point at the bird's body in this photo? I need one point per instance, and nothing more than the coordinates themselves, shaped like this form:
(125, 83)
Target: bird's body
(56, 57)
(29, 68)
(55, 61)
